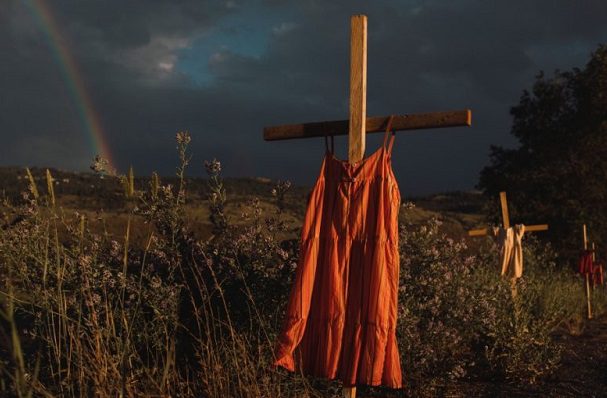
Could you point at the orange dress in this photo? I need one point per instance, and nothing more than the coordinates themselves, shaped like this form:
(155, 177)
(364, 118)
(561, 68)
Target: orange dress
(341, 316)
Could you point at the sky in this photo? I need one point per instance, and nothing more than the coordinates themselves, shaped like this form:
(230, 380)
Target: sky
(121, 77)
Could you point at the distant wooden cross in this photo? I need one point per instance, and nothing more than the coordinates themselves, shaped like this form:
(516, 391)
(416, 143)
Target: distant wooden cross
(506, 225)
(506, 221)
(359, 124)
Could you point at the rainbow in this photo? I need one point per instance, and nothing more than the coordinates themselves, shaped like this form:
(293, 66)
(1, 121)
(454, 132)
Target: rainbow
(72, 77)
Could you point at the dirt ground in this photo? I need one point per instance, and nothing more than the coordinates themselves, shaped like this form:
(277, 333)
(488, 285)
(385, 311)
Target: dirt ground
(583, 370)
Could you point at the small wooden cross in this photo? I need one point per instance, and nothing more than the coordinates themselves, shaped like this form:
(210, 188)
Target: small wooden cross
(506, 221)
(506, 225)
(359, 124)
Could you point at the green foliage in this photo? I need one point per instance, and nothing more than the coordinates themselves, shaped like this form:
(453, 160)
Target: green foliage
(458, 319)
(89, 314)
(557, 174)
(217, 197)
(517, 337)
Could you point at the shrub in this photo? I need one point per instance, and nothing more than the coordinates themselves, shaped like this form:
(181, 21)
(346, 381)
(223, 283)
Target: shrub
(458, 319)
(86, 313)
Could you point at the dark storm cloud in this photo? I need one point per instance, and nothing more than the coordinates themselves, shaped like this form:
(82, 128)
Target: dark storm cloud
(423, 56)
(133, 23)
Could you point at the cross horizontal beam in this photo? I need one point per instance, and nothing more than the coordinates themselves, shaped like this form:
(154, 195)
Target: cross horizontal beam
(528, 228)
(375, 124)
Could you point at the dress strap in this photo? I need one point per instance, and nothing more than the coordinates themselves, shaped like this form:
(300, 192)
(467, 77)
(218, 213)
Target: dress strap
(389, 133)
(332, 148)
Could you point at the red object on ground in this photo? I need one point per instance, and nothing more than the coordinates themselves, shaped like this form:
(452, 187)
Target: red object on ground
(341, 316)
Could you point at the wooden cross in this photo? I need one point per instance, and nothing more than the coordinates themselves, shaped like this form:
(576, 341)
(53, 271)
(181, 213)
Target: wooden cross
(506, 225)
(359, 124)
(506, 221)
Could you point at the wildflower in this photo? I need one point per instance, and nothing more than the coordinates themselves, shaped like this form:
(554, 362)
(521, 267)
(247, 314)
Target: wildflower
(213, 167)
(115, 249)
(183, 138)
(101, 165)
(86, 260)
(155, 283)
(408, 205)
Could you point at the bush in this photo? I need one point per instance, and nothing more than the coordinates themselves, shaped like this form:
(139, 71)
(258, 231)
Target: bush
(85, 313)
(458, 319)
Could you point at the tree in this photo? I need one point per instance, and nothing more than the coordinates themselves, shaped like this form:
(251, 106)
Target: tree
(559, 172)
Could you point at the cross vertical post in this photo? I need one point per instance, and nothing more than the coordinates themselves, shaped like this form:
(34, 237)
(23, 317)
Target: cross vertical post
(504, 204)
(358, 104)
(506, 225)
(358, 88)
(588, 304)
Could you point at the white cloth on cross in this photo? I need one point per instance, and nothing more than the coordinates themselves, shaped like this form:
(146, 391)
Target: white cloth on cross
(509, 242)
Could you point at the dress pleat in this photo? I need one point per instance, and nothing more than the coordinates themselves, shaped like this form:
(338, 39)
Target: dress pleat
(340, 321)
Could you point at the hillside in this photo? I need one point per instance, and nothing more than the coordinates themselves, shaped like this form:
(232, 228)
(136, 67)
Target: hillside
(102, 199)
